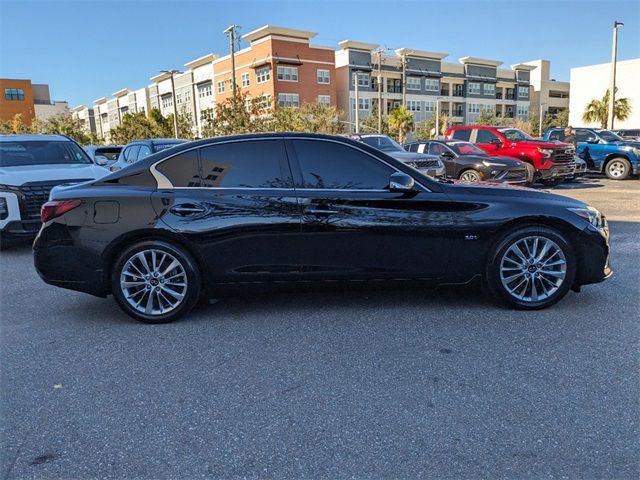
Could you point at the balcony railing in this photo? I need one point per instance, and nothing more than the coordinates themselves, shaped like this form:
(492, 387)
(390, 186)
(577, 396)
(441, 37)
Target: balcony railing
(510, 96)
(444, 92)
(391, 89)
(458, 93)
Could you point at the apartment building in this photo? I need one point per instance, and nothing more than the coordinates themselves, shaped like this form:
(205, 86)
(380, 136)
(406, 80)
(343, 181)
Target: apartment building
(461, 90)
(592, 81)
(547, 94)
(281, 67)
(85, 117)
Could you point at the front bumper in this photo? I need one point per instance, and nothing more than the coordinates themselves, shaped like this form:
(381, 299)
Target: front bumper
(593, 256)
(432, 172)
(562, 170)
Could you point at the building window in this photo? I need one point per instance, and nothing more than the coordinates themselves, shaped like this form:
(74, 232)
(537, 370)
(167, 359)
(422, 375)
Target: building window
(264, 101)
(247, 104)
(488, 108)
(263, 74)
(413, 83)
(523, 110)
(473, 88)
(204, 90)
(324, 99)
(288, 74)
(288, 99)
(363, 104)
(220, 86)
(14, 94)
(187, 96)
(432, 85)
(364, 80)
(489, 89)
(167, 101)
(523, 92)
(413, 105)
(178, 98)
(245, 79)
(429, 106)
(473, 108)
(323, 76)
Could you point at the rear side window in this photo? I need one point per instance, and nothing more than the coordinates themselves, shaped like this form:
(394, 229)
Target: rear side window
(144, 152)
(462, 135)
(330, 165)
(182, 170)
(246, 164)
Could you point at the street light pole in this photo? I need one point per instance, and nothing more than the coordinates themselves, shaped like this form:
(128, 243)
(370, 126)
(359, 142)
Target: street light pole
(231, 31)
(540, 124)
(612, 86)
(438, 116)
(355, 73)
(173, 100)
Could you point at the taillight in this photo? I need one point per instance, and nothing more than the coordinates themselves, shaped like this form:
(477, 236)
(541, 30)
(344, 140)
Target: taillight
(55, 208)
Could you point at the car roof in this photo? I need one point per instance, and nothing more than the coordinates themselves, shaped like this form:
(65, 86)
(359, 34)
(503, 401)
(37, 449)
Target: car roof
(33, 138)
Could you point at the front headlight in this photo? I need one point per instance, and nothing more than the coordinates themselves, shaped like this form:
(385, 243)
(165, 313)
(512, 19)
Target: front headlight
(636, 151)
(487, 163)
(546, 152)
(591, 215)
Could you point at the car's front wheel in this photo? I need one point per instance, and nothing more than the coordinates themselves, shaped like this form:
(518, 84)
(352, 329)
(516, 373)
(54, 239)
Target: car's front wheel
(618, 168)
(531, 268)
(470, 175)
(155, 281)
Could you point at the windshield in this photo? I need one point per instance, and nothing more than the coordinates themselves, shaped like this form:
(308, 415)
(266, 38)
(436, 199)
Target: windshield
(41, 152)
(609, 136)
(385, 144)
(158, 147)
(514, 135)
(465, 148)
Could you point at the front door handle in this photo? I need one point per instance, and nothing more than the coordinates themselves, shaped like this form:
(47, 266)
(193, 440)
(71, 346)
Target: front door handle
(186, 209)
(321, 211)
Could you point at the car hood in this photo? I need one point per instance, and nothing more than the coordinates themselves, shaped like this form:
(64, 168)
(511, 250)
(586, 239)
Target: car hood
(514, 191)
(542, 144)
(506, 161)
(626, 143)
(20, 175)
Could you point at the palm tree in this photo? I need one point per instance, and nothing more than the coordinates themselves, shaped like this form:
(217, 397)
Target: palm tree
(597, 111)
(401, 122)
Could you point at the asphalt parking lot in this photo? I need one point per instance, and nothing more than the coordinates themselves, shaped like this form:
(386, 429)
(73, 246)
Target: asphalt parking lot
(384, 384)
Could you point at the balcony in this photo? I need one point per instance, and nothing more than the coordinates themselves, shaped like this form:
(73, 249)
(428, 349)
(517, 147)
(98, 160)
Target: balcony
(499, 95)
(458, 112)
(391, 89)
(458, 93)
(510, 96)
(444, 92)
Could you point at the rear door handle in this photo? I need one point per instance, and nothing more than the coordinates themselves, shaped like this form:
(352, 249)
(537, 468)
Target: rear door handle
(187, 209)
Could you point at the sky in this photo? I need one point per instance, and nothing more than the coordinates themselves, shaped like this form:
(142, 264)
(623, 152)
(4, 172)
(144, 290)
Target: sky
(86, 49)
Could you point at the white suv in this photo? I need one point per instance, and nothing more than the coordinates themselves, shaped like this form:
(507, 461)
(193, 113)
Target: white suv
(30, 166)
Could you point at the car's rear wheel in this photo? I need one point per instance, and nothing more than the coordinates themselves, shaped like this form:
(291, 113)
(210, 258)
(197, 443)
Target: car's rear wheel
(618, 168)
(155, 281)
(470, 175)
(531, 268)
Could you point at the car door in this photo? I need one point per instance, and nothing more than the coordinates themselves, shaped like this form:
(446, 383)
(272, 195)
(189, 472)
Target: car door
(488, 141)
(585, 150)
(449, 159)
(236, 201)
(353, 227)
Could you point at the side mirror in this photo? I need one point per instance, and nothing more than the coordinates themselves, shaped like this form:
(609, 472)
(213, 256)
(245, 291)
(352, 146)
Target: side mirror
(495, 141)
(446, 155)
(592, 140)
(101, 160)
(401, 182)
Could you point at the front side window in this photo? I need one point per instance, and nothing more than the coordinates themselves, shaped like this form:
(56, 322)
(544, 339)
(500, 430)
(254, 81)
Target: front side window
(485, 136)
(131, 153)
(437, 148)
(287, 74)
(330, 165)
(323, 76)
(582, 135)
(246, 164)
(288, 100)
(144, 152)
(13, 94)
(182, 170)
(43, 152)
(263, 74)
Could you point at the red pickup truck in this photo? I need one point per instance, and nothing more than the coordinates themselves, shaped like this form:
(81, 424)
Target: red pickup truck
(552, 161)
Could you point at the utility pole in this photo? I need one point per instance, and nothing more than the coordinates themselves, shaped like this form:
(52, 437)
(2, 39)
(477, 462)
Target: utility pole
(173, 100)
(231, 32)
(355, 73)
(438, 116)
(540, 125)
(403, 59)
(379, 53)
(612, 86)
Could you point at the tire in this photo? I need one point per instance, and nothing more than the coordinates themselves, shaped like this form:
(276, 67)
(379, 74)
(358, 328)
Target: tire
(518, 288)
(551, 182)
(160, 293)
(470, 175)
(531, 174)
(618, 168)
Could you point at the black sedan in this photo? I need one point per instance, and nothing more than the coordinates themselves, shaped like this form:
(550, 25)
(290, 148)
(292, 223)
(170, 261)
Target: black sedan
(234, 214)
(465, 161)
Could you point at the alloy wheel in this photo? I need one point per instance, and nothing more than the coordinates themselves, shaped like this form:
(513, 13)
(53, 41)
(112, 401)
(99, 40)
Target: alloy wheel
(153, 282)
(470, 176)
(533, 268)
(616, 169)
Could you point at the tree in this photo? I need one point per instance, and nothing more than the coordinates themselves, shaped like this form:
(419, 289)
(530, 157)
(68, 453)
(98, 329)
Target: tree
(426, 129)
(235, 115)
(370, 124)
(134, 126)
(15, 125)
(311, 117)
(597, 111)
(400, 123)
(63, 124)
